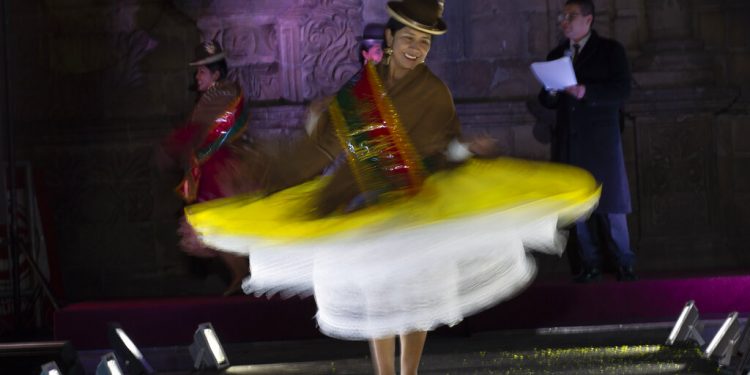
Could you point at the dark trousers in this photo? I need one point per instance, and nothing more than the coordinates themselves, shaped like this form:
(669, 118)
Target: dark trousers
(604, 230)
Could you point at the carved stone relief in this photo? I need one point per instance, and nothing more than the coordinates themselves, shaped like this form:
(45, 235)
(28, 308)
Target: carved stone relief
(250, 44)
(295, 53)
(259, 82)
(329, 45)
(253, 55)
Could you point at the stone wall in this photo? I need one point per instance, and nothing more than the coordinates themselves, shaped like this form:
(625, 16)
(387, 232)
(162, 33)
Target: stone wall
(97, 84)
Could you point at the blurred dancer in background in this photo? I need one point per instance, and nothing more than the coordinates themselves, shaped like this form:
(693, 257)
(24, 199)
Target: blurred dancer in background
(203, 147)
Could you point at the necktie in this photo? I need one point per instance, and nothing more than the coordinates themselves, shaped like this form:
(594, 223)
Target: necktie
(576, 50)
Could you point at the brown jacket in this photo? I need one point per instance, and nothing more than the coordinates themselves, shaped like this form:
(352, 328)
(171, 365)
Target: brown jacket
(181, 143)
(427, 112)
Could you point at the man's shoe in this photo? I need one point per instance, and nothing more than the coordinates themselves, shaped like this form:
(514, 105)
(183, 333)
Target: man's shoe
(588, 275)
(626, 273)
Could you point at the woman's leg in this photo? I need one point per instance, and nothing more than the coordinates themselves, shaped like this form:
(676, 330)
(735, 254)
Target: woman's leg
(383, 355)
(238, 268)
(412, 345)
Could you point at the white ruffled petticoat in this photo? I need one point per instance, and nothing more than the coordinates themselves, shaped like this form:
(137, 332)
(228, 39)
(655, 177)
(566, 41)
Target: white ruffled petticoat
(415, 279)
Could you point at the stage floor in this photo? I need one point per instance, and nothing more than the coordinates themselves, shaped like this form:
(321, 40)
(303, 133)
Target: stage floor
(624, 349)
(618, 328)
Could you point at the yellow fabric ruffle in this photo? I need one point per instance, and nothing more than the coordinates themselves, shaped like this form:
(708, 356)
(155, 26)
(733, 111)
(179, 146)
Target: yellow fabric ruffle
(477, 187)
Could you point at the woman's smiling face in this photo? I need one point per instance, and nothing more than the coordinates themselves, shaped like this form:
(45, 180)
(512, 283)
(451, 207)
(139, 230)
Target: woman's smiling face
(410, 48)
(204, 78)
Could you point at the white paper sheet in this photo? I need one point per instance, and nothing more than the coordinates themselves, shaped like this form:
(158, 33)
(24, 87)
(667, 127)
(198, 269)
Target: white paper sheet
(556, 74)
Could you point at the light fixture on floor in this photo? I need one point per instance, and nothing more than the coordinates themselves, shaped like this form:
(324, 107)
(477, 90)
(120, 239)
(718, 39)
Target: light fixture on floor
(29, 357)
(126, 350)
(742, 351)
(206, 349)
(50, 368)
(687, 326)
(108, 365)
(722, 345)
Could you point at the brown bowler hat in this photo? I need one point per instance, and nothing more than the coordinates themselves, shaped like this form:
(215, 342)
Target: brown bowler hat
(423, 15)
(206, 53)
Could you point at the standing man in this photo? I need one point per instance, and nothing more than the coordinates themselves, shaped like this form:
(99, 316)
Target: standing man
(587, 134)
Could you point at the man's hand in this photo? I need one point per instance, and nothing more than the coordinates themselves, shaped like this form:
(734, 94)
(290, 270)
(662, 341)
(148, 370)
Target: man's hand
(577, 91)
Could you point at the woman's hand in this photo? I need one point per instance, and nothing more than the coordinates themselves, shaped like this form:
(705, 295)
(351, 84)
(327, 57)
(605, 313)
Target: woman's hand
(484, 146)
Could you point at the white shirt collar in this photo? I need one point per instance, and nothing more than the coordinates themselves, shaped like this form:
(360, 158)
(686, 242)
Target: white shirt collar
(581, 43)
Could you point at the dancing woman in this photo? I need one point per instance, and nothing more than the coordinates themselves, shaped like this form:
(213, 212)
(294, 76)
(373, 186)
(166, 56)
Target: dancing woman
(412, 233)
(203, 147)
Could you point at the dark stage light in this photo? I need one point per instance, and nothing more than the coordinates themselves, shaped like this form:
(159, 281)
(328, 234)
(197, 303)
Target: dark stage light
(742, 352)
(27, 357)
(132, 359)
(687, 327)
(206, 349)
(722, 345)
(108, 365)
(50, 368)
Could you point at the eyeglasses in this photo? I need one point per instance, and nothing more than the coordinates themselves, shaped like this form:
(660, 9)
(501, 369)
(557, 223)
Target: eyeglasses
(567, 17)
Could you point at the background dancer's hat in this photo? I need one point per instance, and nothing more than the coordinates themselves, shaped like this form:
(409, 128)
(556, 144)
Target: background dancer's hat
(374, 32)
(423, 15)
(207, 52)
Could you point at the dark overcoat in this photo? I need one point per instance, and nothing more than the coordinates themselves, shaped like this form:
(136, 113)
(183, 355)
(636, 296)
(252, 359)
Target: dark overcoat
(587, 131)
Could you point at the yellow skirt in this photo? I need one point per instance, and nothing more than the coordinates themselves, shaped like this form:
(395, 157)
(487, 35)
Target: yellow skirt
(478, 187)
(457, 247)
